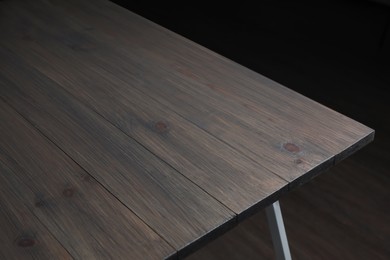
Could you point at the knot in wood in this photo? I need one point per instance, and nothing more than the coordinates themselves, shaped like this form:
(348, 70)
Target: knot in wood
(161, 126)
(25, 242)
(298, 161)
(68, 192)
(293, 148)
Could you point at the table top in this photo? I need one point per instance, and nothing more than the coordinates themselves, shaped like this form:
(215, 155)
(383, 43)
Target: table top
(121, 139)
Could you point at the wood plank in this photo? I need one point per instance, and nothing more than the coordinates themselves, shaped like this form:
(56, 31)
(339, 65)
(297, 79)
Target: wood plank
(258, 101)
(23, 236)
(271, 149)
(193, 78)
(238, 182)
(172, 205)
(86, 219)
(297, 149)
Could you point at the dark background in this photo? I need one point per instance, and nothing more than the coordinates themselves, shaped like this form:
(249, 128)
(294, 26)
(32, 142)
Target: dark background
(337, 53)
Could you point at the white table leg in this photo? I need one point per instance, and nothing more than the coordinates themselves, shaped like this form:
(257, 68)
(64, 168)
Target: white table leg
(278, 233)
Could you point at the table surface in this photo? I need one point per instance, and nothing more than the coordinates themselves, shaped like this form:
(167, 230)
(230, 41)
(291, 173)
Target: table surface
(121, 139)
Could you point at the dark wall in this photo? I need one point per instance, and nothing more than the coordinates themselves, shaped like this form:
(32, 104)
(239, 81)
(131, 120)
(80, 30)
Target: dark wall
(356, 27)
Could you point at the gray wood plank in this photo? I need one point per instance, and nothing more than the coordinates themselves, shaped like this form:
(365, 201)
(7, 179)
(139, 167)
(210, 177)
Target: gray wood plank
(254, 99)
(282, 130)
(23, 236)
(172, 205)
(168, 94)
(235, 180)
(40, 180)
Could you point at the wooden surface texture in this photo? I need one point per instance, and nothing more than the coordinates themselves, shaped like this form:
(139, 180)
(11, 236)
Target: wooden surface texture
(163, 143)
(83, 216)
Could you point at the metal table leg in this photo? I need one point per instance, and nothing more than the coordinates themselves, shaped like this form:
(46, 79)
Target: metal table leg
(278, 233)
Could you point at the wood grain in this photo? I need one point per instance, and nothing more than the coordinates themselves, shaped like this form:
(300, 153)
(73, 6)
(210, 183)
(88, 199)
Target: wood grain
(172, 205)
(236, 181)
(23, 236)
(86, 219)
(184, 138)
(348, 211)
(217, 95)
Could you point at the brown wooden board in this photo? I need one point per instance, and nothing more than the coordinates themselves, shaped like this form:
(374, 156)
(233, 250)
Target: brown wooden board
(234, 179)
(183, 137)
(254, 99)
(23, 236)
(172, 205)
(283, 131)
(80, 213)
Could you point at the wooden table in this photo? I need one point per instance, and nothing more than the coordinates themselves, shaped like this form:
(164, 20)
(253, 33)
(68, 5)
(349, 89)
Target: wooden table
(120, 139)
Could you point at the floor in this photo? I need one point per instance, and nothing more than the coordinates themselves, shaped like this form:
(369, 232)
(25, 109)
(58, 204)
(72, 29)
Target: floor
(343, 63)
